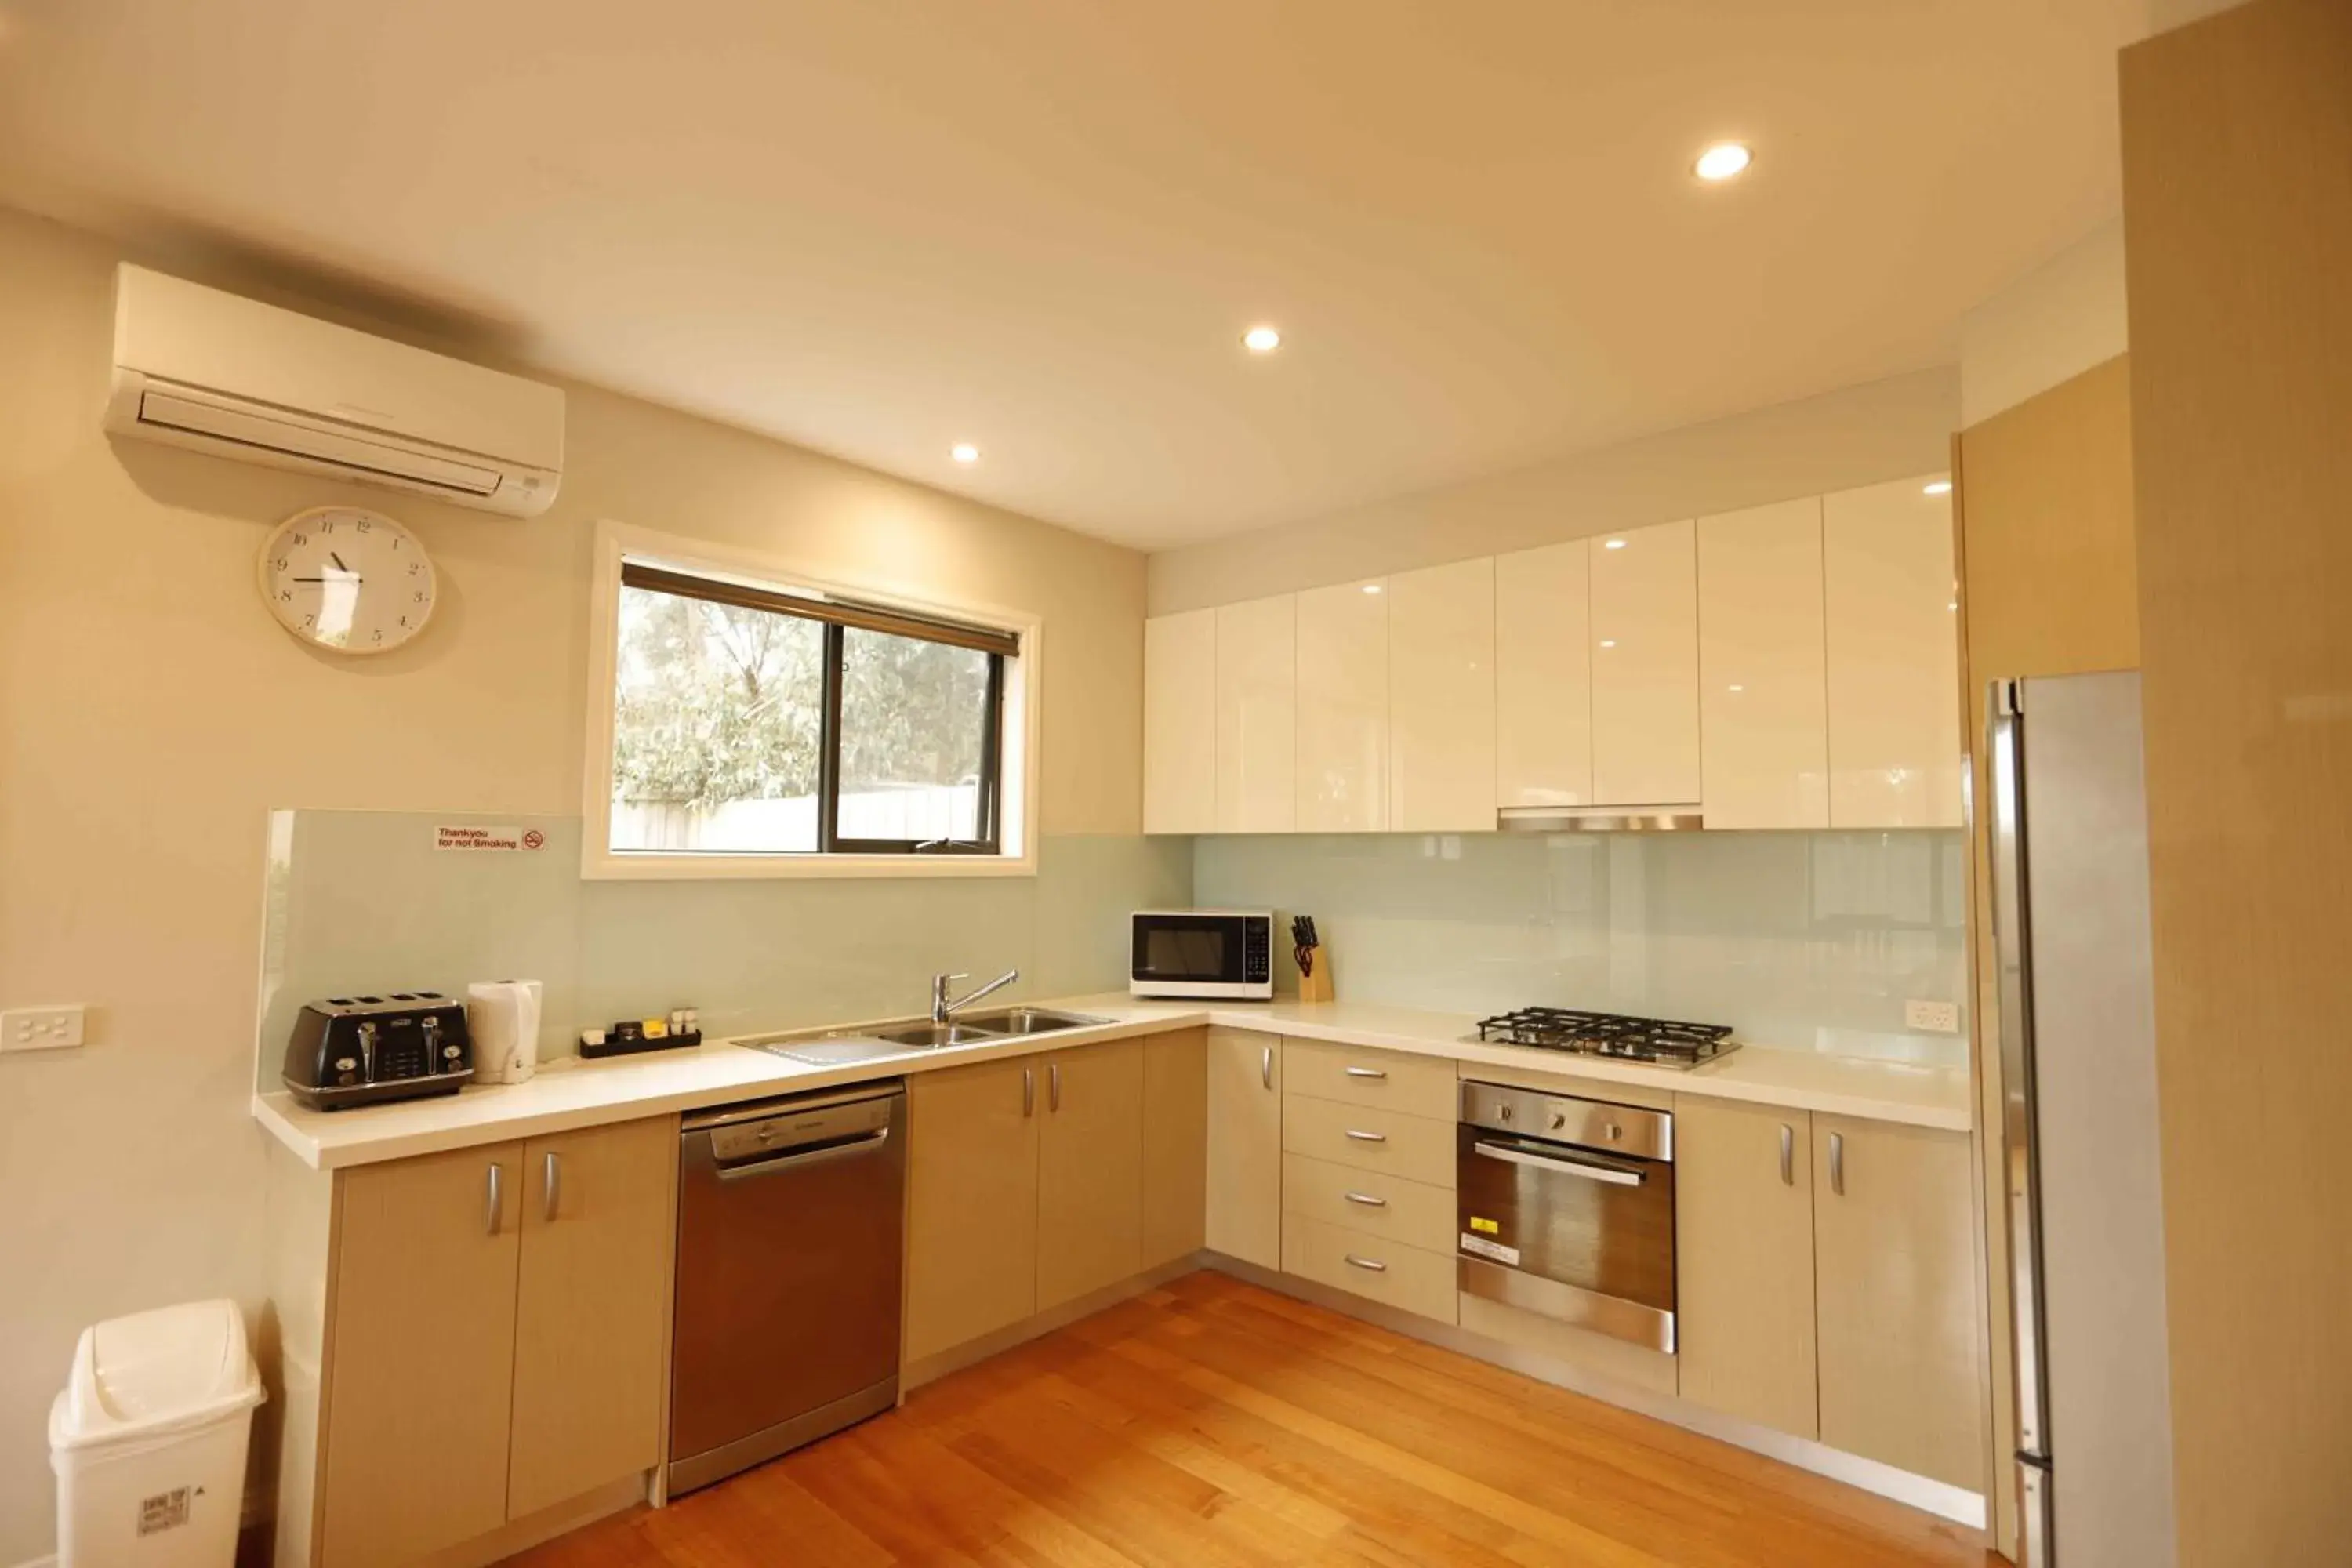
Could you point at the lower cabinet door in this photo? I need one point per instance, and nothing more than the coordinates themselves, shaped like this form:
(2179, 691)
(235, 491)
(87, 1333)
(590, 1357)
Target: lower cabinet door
(1090, 1171)
(421, 1355)
(1245, 1208)
(1744, 1269)
(1894, 1267)
(972, 1202)
(597, 1224)
(1175, 1134)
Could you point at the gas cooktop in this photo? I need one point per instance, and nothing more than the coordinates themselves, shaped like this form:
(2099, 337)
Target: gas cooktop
(1656, 1042)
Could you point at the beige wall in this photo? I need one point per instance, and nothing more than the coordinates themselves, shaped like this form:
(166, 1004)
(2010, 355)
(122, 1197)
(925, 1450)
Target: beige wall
(2237, 135)
(2049, 326)
(1865, 435)
(151, 712)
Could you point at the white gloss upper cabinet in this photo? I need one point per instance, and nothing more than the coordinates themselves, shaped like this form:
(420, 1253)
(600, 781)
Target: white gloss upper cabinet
(1258, 715)
(1645, 666)
(1543, 677)
(1893, 657)
(1180, 722)
(1442, 699)
(1343, 709)
(1763, 711)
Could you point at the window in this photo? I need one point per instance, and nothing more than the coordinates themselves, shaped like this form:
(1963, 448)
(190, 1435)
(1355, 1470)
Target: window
(755, 721)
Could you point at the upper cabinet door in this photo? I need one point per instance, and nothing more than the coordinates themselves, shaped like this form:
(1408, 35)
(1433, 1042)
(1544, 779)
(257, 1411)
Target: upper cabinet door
(1257, 716)
(1543, 677)
(1763, 709)
(1442, 699)
(1893, 657)
(1180, 722)
(1343, 709)
(1645, 666)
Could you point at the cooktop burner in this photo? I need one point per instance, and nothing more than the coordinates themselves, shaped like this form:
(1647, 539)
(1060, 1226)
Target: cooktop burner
(1659, 1042)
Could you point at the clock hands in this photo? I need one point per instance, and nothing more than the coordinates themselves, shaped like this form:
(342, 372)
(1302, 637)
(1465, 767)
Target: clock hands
(338, 561)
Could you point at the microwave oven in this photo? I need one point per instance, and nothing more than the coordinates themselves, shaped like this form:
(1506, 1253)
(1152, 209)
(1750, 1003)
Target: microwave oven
(1224, 954)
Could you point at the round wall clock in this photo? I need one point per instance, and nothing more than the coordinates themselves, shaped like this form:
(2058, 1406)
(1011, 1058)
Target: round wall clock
(347, 580)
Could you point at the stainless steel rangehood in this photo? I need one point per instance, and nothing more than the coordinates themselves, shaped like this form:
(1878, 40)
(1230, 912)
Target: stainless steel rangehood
(1677, 818)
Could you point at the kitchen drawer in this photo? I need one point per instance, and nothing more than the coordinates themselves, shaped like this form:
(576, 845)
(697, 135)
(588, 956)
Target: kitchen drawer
(1418, 1085)
(1418, 1148)
(1373, 1202)
(1406, 1278)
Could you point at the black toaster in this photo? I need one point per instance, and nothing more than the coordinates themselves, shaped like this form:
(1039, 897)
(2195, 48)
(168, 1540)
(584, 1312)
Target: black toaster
(363, 1050)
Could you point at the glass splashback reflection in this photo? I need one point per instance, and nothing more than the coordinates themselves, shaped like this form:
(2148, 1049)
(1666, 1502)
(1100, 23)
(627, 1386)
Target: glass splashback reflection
(1812, 941)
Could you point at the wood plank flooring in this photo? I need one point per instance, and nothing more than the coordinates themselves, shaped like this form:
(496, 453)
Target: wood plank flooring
(1211, 1423)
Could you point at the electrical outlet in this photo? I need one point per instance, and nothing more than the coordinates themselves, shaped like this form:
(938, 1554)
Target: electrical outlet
(40, 1029)
(1932, 1017)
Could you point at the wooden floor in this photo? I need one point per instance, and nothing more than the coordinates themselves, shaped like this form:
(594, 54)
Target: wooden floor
(1213, 1423)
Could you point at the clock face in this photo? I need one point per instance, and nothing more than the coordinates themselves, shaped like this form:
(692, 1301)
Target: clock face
(347, 579)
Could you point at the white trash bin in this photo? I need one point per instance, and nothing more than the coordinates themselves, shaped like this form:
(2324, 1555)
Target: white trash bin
(148, 1440)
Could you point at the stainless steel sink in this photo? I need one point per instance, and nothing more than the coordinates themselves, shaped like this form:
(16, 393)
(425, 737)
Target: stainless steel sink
(1030, 1021)
(930, 1037)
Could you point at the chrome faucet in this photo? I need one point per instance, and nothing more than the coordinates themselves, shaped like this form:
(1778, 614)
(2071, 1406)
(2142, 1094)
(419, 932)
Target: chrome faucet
(941, 1008)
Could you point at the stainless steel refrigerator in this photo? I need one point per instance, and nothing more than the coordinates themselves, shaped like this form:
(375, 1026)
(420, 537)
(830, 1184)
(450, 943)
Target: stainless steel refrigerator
(2080, 1139)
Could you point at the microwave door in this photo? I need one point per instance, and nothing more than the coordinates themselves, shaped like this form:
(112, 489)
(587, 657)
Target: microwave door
(1193, 952)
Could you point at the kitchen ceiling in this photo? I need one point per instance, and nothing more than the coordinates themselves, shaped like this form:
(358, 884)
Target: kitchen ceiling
(881, 227)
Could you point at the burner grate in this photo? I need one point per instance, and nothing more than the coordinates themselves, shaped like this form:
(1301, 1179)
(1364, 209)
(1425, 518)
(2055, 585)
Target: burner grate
(1662, 1041)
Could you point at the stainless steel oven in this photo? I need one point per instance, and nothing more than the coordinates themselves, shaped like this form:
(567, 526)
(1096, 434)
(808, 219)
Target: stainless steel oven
(1568, 1210)
(1227, 953)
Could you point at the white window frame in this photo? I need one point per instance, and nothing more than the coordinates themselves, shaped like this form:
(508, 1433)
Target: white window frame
(1024, 689)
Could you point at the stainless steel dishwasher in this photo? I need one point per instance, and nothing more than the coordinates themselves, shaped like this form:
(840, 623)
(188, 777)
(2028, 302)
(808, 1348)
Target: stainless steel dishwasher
(790, 1221)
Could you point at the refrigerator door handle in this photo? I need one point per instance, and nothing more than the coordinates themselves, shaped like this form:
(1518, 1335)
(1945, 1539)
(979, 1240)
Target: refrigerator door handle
(2018, 1152)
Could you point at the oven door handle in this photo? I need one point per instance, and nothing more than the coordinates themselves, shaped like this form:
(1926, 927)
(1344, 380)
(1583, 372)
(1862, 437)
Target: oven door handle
(1614, 1175)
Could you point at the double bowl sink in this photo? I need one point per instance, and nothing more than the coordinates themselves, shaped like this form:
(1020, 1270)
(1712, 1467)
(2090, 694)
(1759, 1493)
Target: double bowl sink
(899, 1037)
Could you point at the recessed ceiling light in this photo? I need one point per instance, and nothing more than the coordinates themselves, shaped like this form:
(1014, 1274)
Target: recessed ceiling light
(1739, 689)
(1613, 545)
(964, 452)
(1723, 161)
(1937, 488)
(1371, 588)
(1262, 340)
(1608, 642)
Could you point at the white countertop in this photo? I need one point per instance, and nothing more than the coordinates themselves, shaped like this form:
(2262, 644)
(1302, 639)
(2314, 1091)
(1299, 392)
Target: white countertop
(571, 1093)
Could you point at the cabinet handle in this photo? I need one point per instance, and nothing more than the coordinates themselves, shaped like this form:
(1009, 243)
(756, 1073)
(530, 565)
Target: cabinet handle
(552, 1186)
(498, 1184)
(1028, 1091)
(1053, 1086)
(1266, 1068)
(1363, 1137)
(1837, 1163)
(1788, 1155)
(1366, 1199)
(1367, 1072)
(1373, 1264)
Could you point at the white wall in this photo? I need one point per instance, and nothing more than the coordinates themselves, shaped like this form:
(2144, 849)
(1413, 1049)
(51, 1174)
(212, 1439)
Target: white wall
(1864, 435)
(2049, 326)
(151, 713)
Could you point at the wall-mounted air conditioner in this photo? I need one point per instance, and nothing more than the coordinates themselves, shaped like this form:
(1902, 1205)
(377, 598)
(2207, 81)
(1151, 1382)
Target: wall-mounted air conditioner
(195, 367)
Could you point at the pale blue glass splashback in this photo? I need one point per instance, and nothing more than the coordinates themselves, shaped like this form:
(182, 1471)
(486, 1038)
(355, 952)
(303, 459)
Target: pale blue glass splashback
(1811, 941)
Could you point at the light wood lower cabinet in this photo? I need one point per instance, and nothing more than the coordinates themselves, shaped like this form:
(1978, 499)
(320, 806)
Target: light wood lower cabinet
(1244, 1175)
(1090, 1171)
(972, 1202)
(512, 1343)
(1418, 1148)
(1894, 1271)
(591, 1312)
(1175, 1145)
(1378, 1268)
(1413, 1213)
(421, 1352)
(1744, 1262)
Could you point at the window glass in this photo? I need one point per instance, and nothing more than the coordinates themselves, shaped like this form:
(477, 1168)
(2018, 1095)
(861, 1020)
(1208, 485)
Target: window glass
(915, 729)
(718, 732)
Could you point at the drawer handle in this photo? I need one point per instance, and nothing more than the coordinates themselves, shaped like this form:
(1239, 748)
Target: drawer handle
(1366, 1199)
(1371, 1264)
(1368, 1072)
(1362, 1137)
(1266, 1068)
(1788, 1155)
